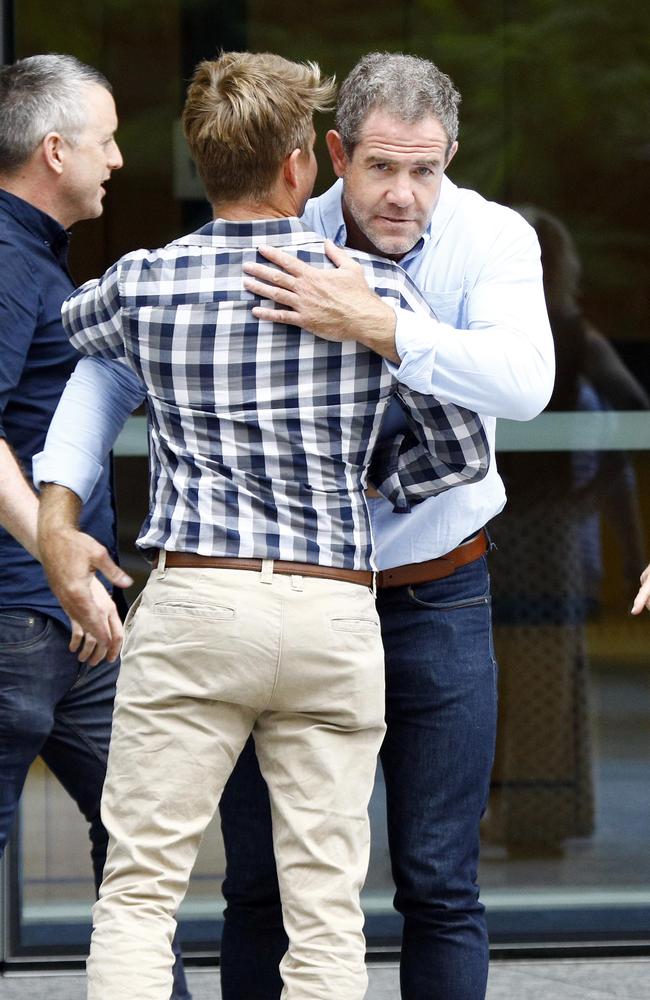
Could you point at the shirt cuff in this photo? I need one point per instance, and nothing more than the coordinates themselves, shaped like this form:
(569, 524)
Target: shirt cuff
(417, 350)
(79, 472)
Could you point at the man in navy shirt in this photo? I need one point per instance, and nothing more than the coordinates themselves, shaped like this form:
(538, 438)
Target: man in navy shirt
(57, 150)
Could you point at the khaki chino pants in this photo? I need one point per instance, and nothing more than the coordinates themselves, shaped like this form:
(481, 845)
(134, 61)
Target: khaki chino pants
(211, 655)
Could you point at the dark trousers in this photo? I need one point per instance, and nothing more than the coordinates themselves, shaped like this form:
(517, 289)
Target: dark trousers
(52, 705)
(436, 758)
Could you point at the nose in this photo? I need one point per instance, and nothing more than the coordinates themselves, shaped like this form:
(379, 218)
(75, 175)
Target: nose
(400, 192)
(115, 160)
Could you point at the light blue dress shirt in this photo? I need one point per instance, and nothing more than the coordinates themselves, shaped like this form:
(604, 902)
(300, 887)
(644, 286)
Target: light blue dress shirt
(491, 350)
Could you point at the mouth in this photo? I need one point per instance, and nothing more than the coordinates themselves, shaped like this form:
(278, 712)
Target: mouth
(391, 221)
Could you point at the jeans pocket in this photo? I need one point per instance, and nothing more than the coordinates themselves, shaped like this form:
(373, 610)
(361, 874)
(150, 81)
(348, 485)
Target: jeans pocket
(419, 599)
(21, 628)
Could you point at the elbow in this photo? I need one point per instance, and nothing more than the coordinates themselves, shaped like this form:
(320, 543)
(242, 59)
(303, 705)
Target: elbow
(532, 396)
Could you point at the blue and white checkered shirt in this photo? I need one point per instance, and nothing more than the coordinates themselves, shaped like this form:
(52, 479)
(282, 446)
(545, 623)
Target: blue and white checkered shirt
(260, 433)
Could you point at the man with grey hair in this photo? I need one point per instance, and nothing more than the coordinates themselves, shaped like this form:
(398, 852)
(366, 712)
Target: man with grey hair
(57, 150)
(490, 349)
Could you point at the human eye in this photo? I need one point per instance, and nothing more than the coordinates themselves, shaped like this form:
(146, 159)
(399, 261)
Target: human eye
(424, 171)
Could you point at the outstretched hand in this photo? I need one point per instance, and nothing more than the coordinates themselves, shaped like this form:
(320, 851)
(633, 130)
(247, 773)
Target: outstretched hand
(334, 303)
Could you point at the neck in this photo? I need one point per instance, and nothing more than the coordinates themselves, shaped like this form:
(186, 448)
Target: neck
(31, 191)
(249, 211)
(280, 204)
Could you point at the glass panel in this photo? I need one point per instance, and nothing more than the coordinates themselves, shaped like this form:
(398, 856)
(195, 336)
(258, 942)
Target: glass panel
(551, 117)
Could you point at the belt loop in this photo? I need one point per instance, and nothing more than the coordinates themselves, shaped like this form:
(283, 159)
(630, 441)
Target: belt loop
(373, 585)
(266, 573)
(162, 561)
(297, 582)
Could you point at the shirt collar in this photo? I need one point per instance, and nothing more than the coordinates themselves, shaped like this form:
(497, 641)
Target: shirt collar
(38, 223)
(331, 211)
(252, 233)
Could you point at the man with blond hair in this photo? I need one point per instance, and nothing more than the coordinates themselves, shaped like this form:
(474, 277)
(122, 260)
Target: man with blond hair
(259, 615)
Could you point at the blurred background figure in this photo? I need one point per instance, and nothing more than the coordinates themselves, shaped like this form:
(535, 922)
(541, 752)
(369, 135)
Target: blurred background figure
(547, 577)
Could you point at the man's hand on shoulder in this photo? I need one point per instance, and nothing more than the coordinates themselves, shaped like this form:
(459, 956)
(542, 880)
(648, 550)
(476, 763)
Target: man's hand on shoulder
(335, 303)
(71, 559)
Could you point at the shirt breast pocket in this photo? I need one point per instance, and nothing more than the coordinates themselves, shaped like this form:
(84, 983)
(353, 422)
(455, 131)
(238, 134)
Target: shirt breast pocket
(448, 307)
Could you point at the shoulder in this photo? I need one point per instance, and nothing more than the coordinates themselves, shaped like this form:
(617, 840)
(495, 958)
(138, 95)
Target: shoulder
(483, 221)
(16, 271)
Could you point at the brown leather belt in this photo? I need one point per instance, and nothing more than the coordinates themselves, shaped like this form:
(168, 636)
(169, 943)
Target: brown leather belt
(435, 569)
(192, 560)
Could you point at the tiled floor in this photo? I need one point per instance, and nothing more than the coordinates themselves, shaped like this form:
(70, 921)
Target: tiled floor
(619, 979)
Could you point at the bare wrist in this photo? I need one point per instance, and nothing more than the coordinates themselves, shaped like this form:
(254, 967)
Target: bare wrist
(378, 332)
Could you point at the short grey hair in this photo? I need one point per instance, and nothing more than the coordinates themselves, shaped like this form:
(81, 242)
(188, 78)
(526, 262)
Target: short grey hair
(38, 95)
(407, 87)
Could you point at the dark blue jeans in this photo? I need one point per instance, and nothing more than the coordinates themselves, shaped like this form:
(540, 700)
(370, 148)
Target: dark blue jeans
(437, 757)
(52, 705)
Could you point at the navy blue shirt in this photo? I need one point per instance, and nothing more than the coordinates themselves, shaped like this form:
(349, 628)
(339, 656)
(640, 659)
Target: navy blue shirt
(36, 359)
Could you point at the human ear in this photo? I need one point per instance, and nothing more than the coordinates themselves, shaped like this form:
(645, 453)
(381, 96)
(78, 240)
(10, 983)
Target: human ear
(52, 148)
(338, 157)
(453, 149)
(290, 168)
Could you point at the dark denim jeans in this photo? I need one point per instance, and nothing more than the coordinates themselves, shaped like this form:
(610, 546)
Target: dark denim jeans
(437, 757)
(52, 705)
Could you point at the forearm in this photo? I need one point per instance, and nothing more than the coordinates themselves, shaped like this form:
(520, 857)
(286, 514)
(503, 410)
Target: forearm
(59, 511)
(497, 370)
(18, 502)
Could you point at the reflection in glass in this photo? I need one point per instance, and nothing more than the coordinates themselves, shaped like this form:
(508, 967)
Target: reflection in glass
(547, 578)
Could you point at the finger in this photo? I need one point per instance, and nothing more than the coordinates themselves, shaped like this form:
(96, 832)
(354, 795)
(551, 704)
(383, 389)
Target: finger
(99, 654)
(642, 599)
(287, 261)
(276, 315)
(92, 619)
(280, 295)
(270, 275)
(87, 649)
(117, 635)
(76, 637)
(339, 256)
(112, 571)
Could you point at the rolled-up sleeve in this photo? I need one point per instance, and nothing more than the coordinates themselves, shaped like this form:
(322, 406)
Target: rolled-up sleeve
(97, 400)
